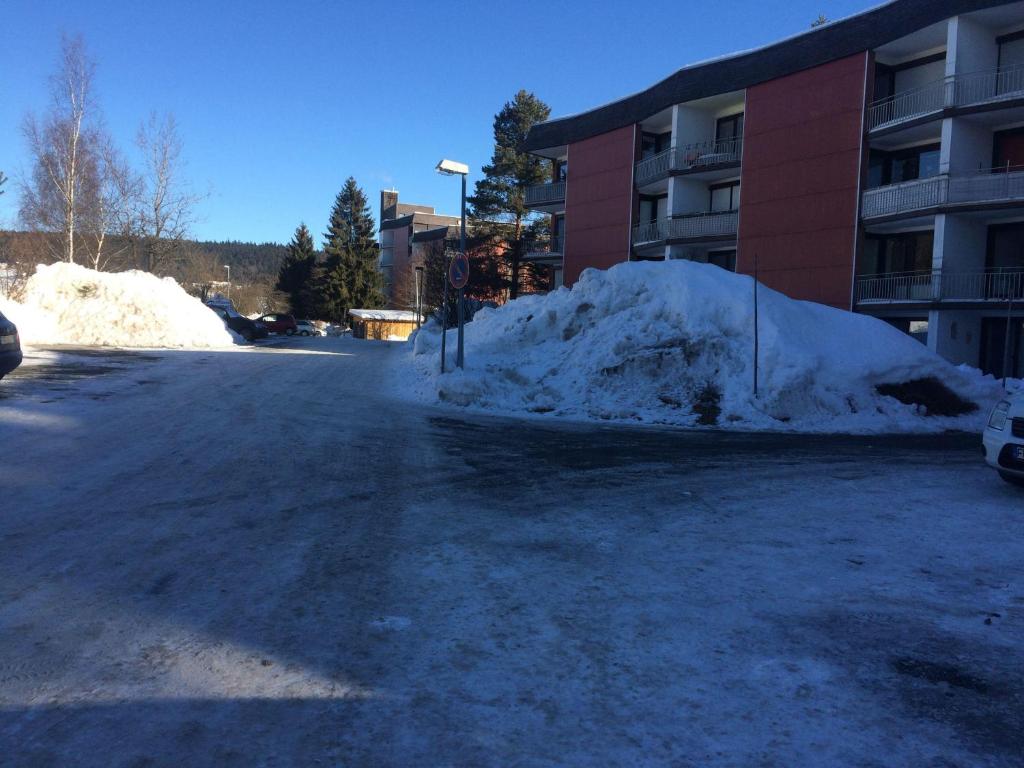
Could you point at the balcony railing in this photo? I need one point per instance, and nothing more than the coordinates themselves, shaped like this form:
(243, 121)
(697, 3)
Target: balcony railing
(936, 286)
(970, 89)
(541, 249)
(545, 194)
(689, 157)
(943, 191)
(688, 227)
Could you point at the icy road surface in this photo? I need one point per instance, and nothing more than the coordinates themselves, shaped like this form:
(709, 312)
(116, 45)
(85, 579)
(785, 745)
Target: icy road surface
(256, 557)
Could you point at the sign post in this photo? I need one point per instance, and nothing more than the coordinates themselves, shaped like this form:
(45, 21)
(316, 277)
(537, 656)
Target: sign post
(458, 276)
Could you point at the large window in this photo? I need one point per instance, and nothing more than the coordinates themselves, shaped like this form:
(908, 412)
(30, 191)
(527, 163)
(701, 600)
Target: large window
(561, 169)
(727, 131)
(1005, 248)
(653, 208)
(653, 143)
(903, 165)
(1008, 150)
(905, 252)
(725, 197)
(993, 347)
(724, 259)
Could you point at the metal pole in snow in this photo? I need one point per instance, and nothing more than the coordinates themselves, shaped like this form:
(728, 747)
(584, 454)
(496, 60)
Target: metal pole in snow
(444, 310)
(756, 340)
(460, 356)
(1006, 343)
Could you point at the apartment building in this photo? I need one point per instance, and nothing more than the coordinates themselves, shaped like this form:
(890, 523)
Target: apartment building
(398, 224)
(880, 159)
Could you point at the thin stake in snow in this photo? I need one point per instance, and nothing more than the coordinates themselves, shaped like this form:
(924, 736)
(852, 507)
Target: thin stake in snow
(1006, 341)
(755, 326)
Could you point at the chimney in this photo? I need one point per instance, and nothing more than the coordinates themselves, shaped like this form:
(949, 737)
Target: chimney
(388, 204)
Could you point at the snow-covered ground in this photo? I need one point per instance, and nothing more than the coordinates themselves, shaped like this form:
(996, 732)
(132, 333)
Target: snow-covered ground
(257, 557)
(70, 304)
(673, 343)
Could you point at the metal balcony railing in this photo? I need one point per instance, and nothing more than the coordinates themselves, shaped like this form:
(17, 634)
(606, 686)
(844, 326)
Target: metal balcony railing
(690, 226)
(689, 157)
(944, 190)
(995, 285)
(965, 90)
(545, 194)
(538, 249)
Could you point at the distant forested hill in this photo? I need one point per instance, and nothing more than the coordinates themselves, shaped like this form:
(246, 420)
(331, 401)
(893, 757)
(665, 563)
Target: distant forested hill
(250, 262)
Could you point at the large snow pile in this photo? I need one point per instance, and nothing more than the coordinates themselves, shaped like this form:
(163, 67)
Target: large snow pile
(69, 304)
(672, 343)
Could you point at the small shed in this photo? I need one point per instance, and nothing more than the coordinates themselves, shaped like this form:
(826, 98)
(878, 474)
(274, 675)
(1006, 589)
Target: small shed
(383, 324)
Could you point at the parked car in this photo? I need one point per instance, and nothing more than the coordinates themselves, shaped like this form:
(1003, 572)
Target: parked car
(10, 346)
(1004, 439)
(280, 324)
(306, 328)
(243, 326)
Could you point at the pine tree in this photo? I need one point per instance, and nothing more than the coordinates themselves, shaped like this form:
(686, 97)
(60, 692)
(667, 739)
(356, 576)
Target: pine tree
(297, 271)
(498, 206)
(351, 278)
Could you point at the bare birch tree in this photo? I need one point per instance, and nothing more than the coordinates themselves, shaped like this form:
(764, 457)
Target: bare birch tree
(112, 196)
(168, 204)
(59, 146)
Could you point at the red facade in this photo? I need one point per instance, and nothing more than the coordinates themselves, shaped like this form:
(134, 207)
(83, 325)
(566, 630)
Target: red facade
(599, 202)
(802, 165)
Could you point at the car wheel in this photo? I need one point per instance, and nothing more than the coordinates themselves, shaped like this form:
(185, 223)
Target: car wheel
(304, 333)
(1012, 479)
(247, 334)
(289, 332)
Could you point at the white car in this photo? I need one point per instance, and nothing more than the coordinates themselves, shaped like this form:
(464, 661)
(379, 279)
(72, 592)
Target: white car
(1004, 439)
(306, 328)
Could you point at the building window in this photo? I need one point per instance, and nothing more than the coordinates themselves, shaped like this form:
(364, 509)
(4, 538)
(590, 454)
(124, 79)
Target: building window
(727, 131)
(653, 208)
(1011, 50)
(561, 170)
(904, 252)
(993, 347)
(1005, 251)
(916, 328)
(725, 197)
(724, 259)
(903, 165)
(1008, 150)
(653, 143)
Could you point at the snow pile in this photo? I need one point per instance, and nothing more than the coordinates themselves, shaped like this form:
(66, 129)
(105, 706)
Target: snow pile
(672, 343)
(69, 304)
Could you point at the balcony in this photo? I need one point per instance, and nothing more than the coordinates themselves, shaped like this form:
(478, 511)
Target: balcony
(544, 251)
(697, 226)
(944, 192)
(954, 92)
(935, 287)
(690, 158)
(550, 196)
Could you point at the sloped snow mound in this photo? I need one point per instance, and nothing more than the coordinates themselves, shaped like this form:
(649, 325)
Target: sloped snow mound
(673, 343)
(69, 304)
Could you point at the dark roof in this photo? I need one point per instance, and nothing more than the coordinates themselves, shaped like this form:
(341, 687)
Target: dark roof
(417, 217)
(437, 233)
(820, 45)
(401, 221)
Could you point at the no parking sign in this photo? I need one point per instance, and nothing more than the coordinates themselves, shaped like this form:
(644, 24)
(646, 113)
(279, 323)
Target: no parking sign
(458, 271)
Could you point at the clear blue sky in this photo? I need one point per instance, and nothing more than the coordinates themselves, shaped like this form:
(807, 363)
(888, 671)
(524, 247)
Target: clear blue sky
(278, 102)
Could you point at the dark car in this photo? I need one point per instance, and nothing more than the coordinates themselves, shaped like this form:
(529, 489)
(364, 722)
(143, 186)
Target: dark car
(278, 323)
(243, 326)
(10, 346)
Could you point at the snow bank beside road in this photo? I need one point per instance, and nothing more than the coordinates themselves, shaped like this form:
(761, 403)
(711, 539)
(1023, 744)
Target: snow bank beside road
(672, 343)
(69, 304)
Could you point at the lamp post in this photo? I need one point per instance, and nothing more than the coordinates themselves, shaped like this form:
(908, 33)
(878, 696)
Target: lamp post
(228, 268)
(453, 168)
(419, 295)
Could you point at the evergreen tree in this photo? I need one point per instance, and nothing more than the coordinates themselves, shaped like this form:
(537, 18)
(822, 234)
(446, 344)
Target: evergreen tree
(351, 278)
(501, 220)
(296, 275)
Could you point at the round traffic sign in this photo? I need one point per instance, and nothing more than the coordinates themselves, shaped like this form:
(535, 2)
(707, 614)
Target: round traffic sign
(458, 271)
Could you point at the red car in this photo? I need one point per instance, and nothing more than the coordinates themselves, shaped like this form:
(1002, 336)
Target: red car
(280, 324)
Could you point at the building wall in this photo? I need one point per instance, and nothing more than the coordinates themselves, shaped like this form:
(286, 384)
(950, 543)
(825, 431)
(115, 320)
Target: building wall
(599, 202)
(401, 270)
(801, 174)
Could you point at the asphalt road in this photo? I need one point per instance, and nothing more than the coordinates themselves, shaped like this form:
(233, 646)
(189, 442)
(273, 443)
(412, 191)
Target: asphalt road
(261, 558)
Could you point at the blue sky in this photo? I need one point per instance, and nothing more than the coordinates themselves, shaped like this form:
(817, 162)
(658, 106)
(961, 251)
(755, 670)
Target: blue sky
(278, 102)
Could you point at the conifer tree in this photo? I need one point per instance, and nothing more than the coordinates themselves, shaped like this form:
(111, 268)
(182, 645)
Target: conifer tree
(297, 272)
(351, 278)
(501, 219)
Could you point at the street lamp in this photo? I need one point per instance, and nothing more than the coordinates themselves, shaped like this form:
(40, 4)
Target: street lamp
(453, 168)
(228, 268)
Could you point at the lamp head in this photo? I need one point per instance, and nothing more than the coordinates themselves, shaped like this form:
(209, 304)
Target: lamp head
(452, 168)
